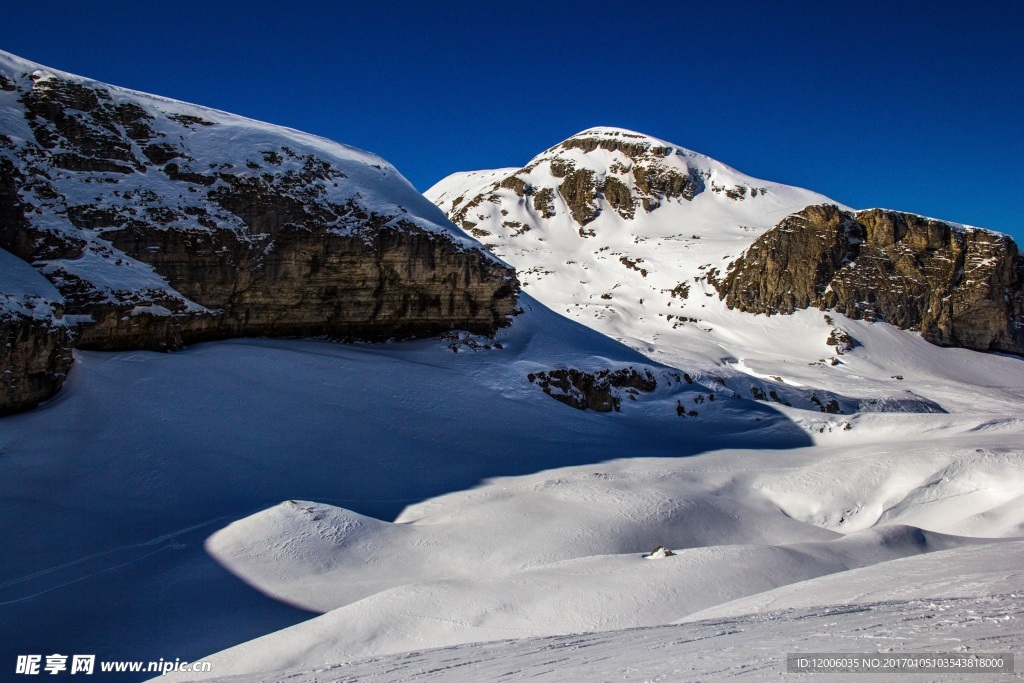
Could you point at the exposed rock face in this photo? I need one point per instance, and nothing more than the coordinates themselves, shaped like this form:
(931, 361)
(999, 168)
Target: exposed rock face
(125, 203)
(35, 343)
(374, 284)
(958, 286)
(579, 190)
(542, 202)
(593, 391)
(35, 355)
(162, 223)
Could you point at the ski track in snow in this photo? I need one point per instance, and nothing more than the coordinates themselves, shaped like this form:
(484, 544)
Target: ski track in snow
(88, 558)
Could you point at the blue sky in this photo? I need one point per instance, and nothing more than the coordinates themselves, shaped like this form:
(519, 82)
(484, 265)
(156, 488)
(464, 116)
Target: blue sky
(912, 105)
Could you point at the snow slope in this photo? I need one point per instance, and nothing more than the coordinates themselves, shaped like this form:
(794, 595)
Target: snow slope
(112, 487)
(23, 291)
(233, 139)
(970, 603)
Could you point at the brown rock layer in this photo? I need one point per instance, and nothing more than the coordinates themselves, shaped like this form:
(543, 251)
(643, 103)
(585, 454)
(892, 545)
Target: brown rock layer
(389, 283)
(958, 286)
(35, 356)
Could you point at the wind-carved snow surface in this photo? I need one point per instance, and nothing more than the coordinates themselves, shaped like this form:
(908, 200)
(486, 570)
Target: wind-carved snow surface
(563, 552)
(968, 601)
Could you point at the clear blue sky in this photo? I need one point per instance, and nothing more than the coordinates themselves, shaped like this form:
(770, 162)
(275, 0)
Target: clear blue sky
(909, 105)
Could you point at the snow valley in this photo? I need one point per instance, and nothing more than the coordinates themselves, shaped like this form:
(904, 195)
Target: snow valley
(383, 449)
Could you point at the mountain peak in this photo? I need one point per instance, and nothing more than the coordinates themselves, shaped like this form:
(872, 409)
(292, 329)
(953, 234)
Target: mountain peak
(613, 132)
(630, 143)
(612, 173)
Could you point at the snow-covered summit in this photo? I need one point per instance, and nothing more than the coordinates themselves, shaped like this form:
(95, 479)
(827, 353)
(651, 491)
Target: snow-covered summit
(607, 169)
(619, 230)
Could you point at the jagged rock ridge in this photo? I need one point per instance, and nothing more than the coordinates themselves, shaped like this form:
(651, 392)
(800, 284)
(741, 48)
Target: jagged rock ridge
(162, 223)
(958, 286)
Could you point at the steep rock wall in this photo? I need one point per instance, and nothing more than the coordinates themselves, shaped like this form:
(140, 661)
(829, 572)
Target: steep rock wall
(163, 223)
(958, 286)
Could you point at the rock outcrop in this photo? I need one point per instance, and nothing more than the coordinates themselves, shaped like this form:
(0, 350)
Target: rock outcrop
(35, 342)
(163, 223)
(600, 391)
(35, 355)
(958, 286)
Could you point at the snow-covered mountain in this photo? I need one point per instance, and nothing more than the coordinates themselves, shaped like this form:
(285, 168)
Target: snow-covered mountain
(619, 230)
(648, 242)
(163, 223)
(296, 505)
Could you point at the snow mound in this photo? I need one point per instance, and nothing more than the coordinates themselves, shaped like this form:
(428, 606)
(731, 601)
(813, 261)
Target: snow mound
(978, 609)
(588, 594)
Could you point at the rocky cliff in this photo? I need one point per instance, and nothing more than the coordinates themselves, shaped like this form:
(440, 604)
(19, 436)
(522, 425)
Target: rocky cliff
(958, 286)
(162, 223)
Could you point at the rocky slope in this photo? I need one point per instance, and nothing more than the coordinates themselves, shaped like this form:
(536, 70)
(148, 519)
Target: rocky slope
(958, 286)
(162, 223)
